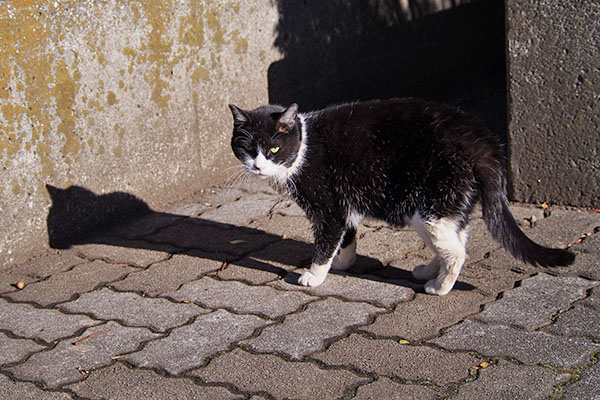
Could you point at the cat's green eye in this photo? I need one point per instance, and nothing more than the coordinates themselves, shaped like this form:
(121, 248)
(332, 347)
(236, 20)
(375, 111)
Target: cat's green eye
(274, 149)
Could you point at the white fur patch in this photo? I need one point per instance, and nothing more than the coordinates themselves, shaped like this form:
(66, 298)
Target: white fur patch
(448, 242)
(354, 218)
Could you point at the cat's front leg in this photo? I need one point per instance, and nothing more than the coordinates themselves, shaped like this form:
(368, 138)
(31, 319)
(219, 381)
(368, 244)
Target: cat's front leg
(327, 242)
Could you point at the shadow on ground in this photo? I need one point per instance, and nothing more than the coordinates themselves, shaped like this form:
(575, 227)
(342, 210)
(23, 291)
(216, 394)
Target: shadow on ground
(78, 217)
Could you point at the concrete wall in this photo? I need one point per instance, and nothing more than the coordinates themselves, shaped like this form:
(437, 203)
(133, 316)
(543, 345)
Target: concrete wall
(554, 105)
(120, 96)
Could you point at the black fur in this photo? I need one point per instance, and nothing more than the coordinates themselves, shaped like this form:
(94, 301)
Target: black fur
(389, 160)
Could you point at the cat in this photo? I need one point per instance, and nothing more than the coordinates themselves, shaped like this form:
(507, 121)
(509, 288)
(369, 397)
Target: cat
(402, 161)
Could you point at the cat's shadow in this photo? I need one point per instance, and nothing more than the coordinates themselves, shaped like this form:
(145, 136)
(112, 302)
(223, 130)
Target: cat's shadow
(78, 217)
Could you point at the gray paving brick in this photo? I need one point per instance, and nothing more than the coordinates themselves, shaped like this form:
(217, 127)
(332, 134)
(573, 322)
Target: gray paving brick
(211, 237)
(13, 350)
(289, 208)
(241, 298)
(364, 288)
(119, 382)
(132, 309)
(586, 261)
(534, 303)
(527, 347)
(63, 286)
(390, 358)
(26, 391)
(146, 224)
(293, 227)
(578, 321)
(385, 388)
(189, 346)
(509, 381)
(45, 264)
(587, 387)
(494, 274)
(169, 275)
(593, 300)
(270, 263)
(8, 281)
(563, 226)
(307, 331)
(244, 210)
(135, 253)
(28, 321)
(480, 241)
(426, 315)
(94, 349)
(281, 379)
(388, 244)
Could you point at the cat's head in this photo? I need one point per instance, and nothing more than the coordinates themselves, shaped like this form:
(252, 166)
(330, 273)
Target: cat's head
(267, 140)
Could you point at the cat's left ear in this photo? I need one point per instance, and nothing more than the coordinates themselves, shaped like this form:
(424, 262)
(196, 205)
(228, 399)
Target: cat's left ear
(238, 114)
(287, 120)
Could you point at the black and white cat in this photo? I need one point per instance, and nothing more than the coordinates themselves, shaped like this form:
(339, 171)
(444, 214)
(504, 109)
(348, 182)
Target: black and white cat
(403, 161)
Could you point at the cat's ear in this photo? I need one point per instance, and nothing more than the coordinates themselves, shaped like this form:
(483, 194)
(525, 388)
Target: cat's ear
(238, 114)
(287, 120)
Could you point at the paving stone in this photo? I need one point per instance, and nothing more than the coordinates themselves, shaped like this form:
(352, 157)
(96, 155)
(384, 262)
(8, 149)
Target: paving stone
(586, 259)
(119, 382)
(527, 347)
(189, 346)
(578, 321)
(48, 325)
(133, 310)
(94, 349)
(593, 300)
(494, 274)
(26, 391)
(244, 210)
(387, 244)
(289, 208)
(370, 289)
(13, 350)
(534, 303)
(169, 275)
(42, 266)
(480, 241)
(214, 238)
(563, 227)
(426, 315)
(241, 298)
(527, 382)
(273, 262)
(135, 253)
(63, 286)
(587, 387)
(8, 281)
(296, 228)
(385, 388)
(308, 331)
(390, 358)
(281, 379)
(145, 225)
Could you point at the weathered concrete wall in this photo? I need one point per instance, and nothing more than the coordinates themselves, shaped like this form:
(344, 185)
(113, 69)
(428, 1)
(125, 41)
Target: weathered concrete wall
(120, 96)
(554, 104)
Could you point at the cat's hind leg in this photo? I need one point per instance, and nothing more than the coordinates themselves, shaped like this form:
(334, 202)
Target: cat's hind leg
(346, 255)
(448, 242)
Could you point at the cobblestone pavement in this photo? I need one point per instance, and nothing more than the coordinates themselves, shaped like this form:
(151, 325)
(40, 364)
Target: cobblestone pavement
(199, 302)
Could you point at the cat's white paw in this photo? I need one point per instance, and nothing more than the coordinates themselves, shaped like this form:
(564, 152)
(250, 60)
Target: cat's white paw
(310, 279)
(434, 287)
(426, 272)
(345, 258)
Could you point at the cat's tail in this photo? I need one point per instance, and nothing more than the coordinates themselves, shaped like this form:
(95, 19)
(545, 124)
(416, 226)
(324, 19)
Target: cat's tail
(504, 228)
